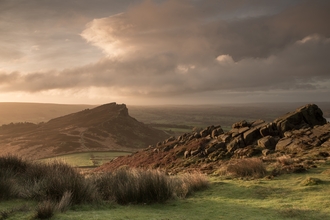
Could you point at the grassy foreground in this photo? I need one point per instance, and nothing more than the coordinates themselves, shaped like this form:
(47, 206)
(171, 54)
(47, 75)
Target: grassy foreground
(285, 197)
(289, 196)
(35, 190)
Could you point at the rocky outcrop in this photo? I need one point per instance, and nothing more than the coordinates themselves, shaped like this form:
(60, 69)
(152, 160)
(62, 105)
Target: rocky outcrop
(304, 117)
(303, 139)
(298, 131)
(104, 128)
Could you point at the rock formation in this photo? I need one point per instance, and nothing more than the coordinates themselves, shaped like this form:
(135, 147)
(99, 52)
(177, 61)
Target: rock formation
(300, 131)
(104, 128)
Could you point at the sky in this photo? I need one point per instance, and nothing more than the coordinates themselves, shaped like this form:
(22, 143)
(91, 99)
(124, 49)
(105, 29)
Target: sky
(144, 52)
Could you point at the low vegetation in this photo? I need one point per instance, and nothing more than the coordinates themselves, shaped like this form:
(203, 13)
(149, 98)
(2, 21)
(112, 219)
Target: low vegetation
(248, 167)
(56, 186)
(283, 197)
(151, 194)
(87, 159)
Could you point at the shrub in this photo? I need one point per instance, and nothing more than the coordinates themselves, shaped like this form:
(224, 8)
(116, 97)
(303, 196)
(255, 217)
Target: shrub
(249, 167)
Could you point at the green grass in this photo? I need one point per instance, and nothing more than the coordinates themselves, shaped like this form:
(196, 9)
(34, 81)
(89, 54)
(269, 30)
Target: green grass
(58, 186)
(280, 198)
(88, 158)
(284, 197)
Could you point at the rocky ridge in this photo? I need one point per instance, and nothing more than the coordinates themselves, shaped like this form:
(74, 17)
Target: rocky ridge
(104, 128)
(302, 135)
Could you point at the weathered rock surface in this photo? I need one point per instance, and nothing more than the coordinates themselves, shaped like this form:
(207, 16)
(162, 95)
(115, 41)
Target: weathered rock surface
(299, 131)
(304, 117)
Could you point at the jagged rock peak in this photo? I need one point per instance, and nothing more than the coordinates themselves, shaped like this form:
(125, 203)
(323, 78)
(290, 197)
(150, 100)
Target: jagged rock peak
(113, 106)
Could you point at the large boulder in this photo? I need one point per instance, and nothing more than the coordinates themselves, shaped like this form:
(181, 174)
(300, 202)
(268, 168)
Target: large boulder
(268, 142)
(306, 116)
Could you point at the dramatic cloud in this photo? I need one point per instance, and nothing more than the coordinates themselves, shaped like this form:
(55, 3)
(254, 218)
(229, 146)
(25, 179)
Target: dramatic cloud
(169, 49)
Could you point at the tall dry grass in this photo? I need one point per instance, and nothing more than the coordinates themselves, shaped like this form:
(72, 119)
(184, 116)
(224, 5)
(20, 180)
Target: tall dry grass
(147, 186)
(248, 167)
(61, 185)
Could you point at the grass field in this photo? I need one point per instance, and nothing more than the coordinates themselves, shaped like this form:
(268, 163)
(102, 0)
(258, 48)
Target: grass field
(284, 197)
(88, 159)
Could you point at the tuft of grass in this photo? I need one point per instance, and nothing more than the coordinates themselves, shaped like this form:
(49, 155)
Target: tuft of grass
(310, 181)
(126, 185)
(188, 183)
(65, 202)
(135, 186)
(7, 213)
(51, 181)
(285, 160)
(45, 210)
(14, 163)
(7, 185)
(57, 186)
(249, 167)
(60, 178)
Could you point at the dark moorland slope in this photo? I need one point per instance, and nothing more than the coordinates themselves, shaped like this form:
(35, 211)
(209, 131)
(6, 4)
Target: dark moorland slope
(104, 128)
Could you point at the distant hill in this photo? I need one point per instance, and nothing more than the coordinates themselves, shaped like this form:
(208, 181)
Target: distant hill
(106, 127)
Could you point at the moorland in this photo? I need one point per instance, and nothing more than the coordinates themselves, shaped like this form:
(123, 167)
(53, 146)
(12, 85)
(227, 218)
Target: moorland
(216, 161)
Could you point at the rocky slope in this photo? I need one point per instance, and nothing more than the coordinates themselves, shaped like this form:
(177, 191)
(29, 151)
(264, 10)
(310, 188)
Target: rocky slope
(107, 127)
(302, 135)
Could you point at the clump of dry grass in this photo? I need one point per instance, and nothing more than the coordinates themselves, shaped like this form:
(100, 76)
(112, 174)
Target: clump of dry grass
(57, 185)
(45, 210)
(65, 202)
(197, 181)
(147, 186)
(285, 160)
(188, 183)
(135, 186)
(310, 181)
(249, 167)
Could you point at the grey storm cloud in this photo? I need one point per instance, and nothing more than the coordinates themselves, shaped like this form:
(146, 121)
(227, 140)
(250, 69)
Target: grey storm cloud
(181, 47)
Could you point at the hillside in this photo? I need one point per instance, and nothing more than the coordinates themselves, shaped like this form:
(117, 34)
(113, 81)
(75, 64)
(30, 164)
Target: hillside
(104, 128)
(303, 136)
